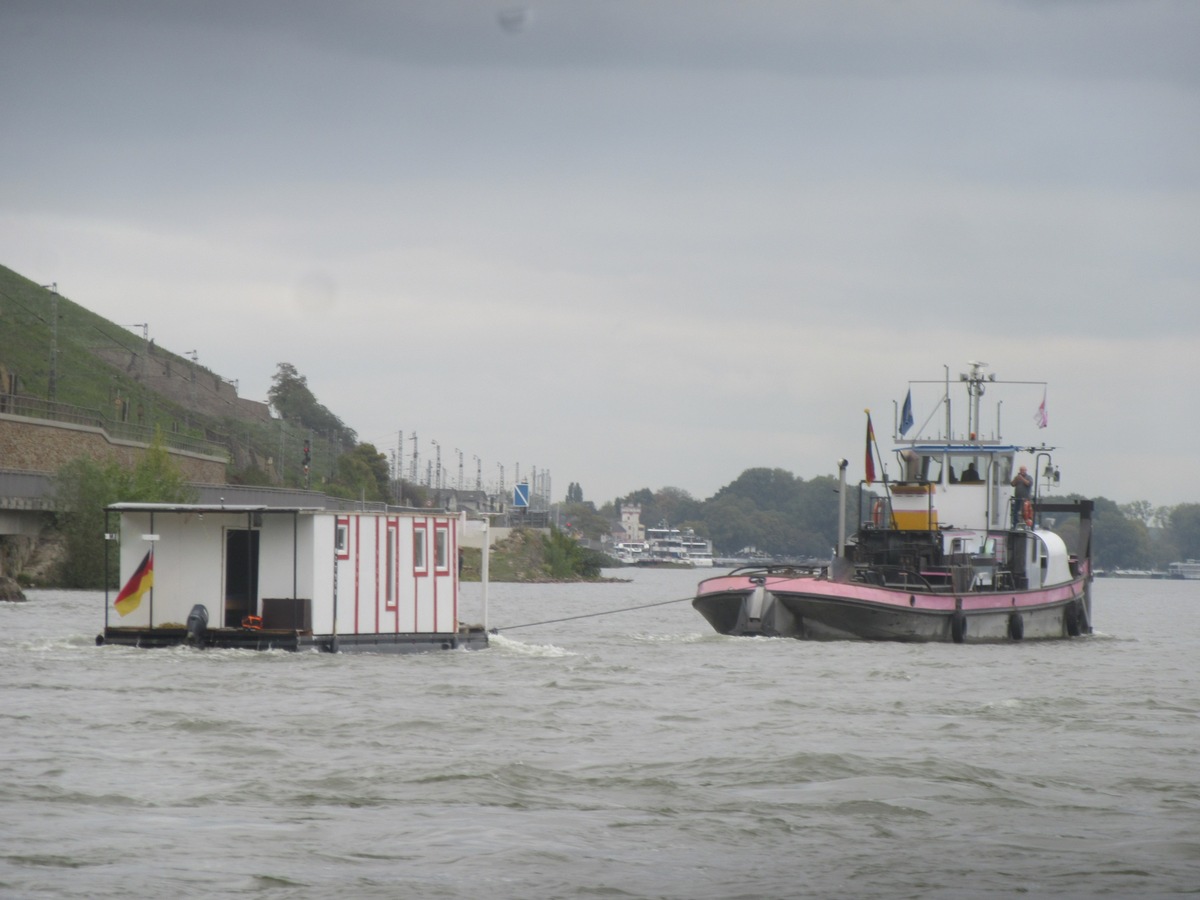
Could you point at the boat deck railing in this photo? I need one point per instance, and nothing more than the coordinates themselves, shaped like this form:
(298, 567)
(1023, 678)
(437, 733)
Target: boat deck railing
(784, 569)
(936, 579)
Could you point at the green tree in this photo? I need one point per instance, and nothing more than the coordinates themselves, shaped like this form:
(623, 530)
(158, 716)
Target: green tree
(83, 488)
(157, 479)
(1139, 510)
(775, 512)
(668, 506)
(565, 558)
(765, 488)
(1119, 542)
(1185, 530)
(582, 519)
(732, 522)
(294, 401)
(362, 474)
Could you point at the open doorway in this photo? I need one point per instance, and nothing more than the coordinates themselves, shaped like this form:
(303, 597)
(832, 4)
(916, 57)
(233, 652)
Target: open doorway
(241, 575)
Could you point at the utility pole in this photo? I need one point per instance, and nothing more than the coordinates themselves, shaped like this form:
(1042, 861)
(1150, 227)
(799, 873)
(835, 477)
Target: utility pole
(193, 356)
(398, 467)
(52, 387)
(307, 459)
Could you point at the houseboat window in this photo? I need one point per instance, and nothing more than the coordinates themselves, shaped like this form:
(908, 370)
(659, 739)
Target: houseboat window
(341, 539)
(419, 549)
(390, 590)
(441, 549)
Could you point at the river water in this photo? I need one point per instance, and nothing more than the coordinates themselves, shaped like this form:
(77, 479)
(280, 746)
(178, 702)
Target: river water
(634, 754)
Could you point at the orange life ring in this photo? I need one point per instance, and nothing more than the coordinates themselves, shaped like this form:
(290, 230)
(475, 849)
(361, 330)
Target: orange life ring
(1027, 513)
(877, 513)
(254, 623)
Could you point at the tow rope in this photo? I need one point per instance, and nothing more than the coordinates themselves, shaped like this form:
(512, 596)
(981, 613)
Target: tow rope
(608, 612)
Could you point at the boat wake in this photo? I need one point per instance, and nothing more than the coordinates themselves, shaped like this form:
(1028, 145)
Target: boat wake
(535, 651)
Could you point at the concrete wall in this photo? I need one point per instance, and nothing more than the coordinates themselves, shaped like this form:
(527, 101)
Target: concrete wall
(470, 537)
(43, 446)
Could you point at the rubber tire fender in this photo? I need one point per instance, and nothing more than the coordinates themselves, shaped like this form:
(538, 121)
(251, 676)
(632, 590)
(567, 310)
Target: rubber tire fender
(1071, 620)
(1016, 626)
(958, 627)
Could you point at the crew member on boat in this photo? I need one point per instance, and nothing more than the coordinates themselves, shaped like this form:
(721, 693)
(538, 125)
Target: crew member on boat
(1022, 491)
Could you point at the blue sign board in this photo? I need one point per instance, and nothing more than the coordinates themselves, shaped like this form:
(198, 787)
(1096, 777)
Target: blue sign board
(521, 495)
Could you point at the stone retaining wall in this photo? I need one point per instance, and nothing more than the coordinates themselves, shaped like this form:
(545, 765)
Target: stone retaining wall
(42, 446)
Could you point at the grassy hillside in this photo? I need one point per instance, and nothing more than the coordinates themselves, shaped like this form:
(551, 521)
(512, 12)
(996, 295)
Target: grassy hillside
(26, 313)
(107, 373)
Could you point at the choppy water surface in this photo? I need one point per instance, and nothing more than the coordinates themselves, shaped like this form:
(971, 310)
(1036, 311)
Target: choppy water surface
(626, 755)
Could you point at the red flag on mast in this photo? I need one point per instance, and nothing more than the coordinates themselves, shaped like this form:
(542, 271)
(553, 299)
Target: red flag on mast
(1040, 416)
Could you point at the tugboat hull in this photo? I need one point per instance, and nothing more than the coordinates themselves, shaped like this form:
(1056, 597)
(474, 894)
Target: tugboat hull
(817, 609)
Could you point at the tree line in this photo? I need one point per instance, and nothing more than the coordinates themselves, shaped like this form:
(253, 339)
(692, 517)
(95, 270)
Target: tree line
(781, 514)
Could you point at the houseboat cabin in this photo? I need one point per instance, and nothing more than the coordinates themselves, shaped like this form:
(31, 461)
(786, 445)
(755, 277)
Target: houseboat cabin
(262, 577)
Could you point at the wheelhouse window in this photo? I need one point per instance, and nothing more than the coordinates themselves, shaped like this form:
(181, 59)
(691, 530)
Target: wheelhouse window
(921, 467)
(968, 468)
(1003, 467)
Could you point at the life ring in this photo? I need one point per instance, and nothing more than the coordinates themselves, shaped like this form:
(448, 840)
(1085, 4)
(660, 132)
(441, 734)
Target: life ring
(958, 628)
(1027, 513)
(1016, 626)
(877, 513)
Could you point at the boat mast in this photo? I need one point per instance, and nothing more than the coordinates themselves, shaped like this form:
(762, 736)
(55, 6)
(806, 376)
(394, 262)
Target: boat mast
(946, 400)
(841, 535)
(975, 388)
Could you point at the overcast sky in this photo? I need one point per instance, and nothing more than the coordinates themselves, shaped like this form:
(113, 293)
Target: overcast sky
(637, 244)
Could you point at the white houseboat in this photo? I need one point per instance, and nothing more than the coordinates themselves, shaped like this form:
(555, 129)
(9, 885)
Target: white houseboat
(266, 577)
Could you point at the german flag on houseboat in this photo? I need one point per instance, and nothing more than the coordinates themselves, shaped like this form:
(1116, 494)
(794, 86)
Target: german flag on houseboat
(139, 582)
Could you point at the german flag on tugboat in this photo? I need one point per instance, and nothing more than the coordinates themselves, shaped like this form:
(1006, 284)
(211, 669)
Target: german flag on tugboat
(139, 582)
(869, 462)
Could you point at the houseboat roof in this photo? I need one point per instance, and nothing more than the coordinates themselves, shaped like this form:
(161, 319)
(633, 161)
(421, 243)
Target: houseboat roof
(211, 508)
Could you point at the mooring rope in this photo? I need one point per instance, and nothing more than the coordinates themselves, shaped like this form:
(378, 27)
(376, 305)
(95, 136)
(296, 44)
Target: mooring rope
(607, 612)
